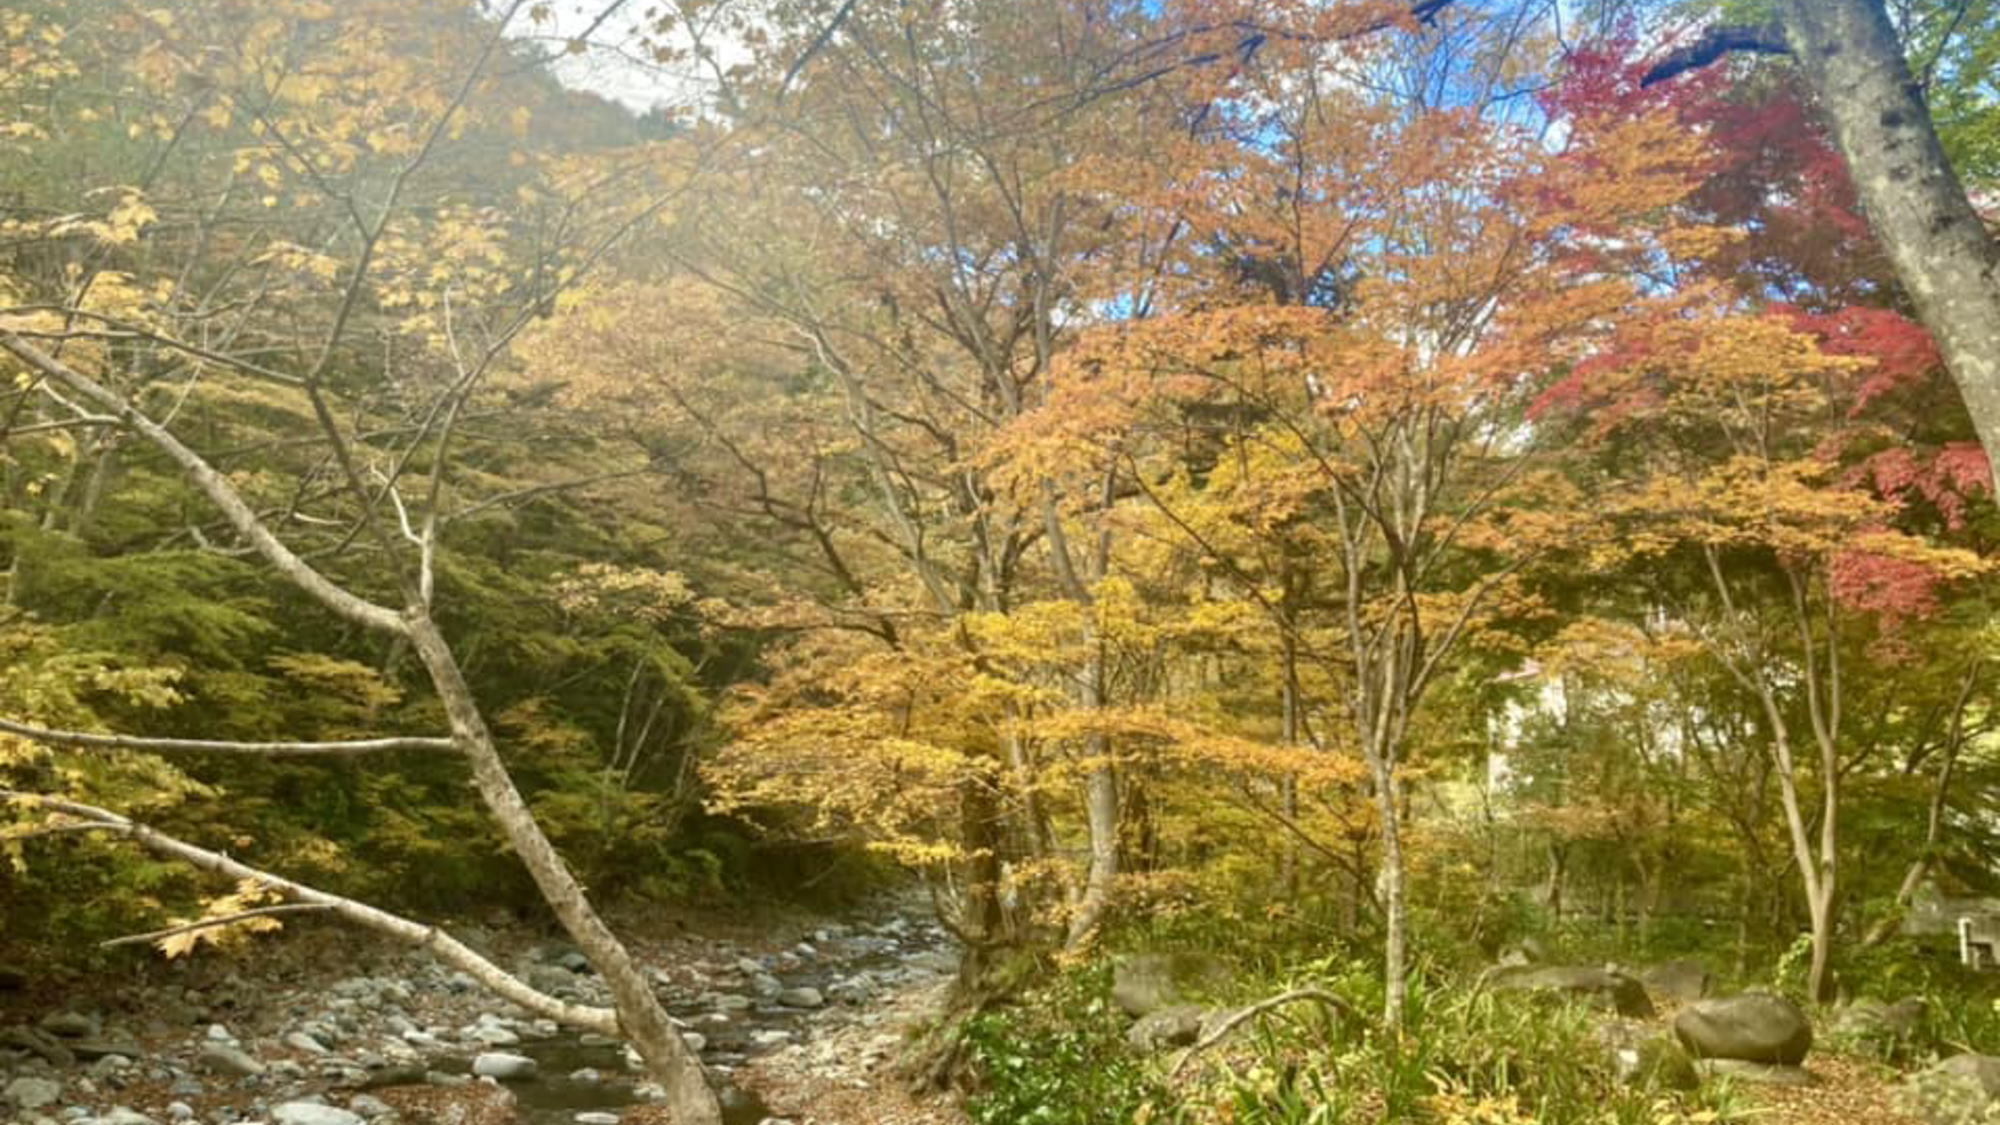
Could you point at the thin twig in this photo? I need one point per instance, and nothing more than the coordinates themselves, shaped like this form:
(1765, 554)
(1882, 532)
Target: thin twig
(211, 923)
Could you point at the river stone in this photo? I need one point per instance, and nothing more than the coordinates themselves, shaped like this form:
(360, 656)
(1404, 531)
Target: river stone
(1175, 1026)
(34, 1042)
(492, 1035)
(1147, 982)
(369, 1106)
(1600, 988)
(807, 997)
(506, 1067)
(1754, 1027)
(299, 1040)
(123, 1115)
(1961, 1090)
(32, 1093)
(221, 1058)
(313, 1113)
(1761, 1074)
(575, 962)
(1683, 980)
(91, 1050)
(69, 1025)
(550, 979)
(595, 1117)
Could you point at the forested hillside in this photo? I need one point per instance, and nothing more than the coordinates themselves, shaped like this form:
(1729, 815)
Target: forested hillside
(1260, 561)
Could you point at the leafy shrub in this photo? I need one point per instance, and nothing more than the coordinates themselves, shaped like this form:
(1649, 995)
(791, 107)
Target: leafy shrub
(1059, 1057)
(1471, 1057)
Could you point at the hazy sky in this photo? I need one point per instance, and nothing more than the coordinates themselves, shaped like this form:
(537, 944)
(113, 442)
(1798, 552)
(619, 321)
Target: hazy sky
(610, 66)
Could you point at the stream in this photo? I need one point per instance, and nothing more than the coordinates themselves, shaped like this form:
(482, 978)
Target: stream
(210, 1045)
(767, 1008)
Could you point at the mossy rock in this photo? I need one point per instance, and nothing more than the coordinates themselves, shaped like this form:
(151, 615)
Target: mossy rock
(1144, 983)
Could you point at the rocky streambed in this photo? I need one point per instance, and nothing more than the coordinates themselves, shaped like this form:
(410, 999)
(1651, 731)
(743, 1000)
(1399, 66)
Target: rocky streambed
(409, 1041)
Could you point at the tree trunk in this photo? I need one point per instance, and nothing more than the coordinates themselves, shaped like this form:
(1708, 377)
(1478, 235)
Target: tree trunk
(1395, 908)
(1288, 864)
(1819, 978)
(1552, 887)
(640, 1016)
(1941, 251)
(1101, 806)
(979, 823)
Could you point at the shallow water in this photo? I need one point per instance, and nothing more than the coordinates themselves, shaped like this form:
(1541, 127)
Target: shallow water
(552, 1097)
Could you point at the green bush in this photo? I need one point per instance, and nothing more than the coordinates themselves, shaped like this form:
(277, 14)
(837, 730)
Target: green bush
(1059, 1057)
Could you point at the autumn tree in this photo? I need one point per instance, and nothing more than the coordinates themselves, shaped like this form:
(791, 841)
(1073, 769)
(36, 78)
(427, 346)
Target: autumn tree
(1378, 398)
(1851, 57)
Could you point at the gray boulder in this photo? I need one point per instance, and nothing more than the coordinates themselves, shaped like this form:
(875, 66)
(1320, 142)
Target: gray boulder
(551, 979)
(29, 1093)
(1753, 1027)
(1176, 1026)
(1604, 989)
(1147, 982)
(503, 1066)
(313, 1113)
(1961, 1090)
(1683, 980)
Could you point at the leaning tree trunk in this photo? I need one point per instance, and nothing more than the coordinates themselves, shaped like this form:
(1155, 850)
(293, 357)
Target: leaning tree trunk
(1940, 248)
(640, 1015)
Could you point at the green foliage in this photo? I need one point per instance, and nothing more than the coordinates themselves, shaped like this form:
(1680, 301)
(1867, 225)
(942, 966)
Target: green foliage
(1059, 1057)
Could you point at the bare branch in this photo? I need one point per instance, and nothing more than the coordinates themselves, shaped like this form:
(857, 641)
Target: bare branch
(212, 923)
(87, 741)
(86, 422)
(1762, 39)
(1221, 1030)
(439, 943)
